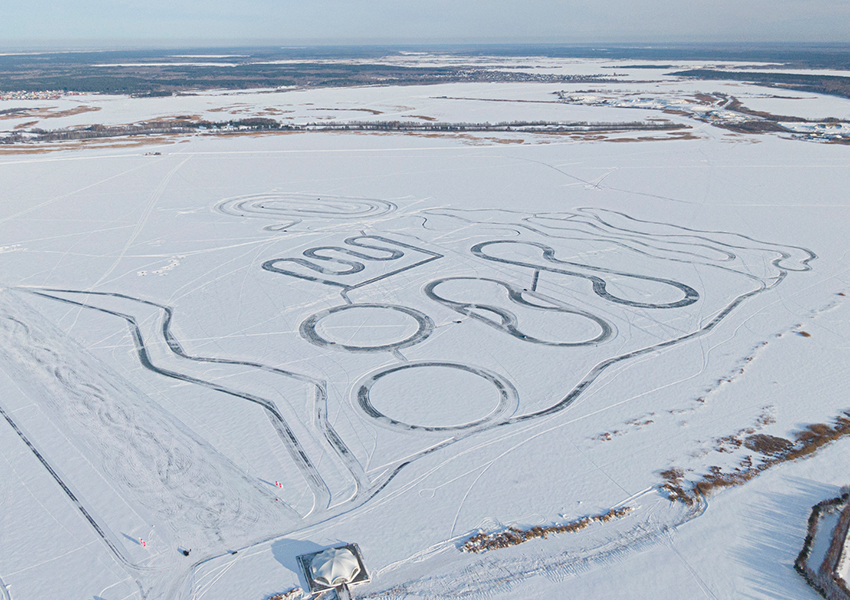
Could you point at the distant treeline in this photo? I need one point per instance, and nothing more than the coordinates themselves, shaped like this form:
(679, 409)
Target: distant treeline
(47, 73)
(260, 124)
(833, 85)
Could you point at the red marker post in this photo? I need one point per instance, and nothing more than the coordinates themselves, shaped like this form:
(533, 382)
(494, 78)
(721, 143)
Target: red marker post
(142, 542)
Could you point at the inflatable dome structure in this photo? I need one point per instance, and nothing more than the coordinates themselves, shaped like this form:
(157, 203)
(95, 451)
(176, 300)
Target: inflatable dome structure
(334, 567)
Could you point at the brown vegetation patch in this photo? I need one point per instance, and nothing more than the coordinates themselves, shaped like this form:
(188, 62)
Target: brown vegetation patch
(673, 484)
(507, 140)
(471, 140)
(687, 135)
(774, 450)
(289, 595)
(275, 111)
(768, 445)
(70, 112)
(8, 149)
(707, 98)
(676, 111)
(175, 120)
(513, 536)
(640, 421)
(607, 436)
(239, 107)
(368, 110)
(25, 112)
(46, 112)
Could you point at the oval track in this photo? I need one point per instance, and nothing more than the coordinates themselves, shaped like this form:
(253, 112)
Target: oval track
(303, 206)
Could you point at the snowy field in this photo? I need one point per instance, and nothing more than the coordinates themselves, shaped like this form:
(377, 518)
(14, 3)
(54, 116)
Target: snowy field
(253, 347)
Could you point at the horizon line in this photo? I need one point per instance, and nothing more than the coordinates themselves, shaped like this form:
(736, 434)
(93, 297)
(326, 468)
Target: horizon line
(79, 46)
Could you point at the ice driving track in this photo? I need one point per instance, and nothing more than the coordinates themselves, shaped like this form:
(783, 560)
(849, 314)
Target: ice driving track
(292, 433)
(322, 510)
(71, 496)
(282, 427)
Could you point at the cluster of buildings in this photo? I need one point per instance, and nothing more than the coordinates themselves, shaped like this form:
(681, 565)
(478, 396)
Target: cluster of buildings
(707, 109)
(828, 132)
(716, 109)
(45, 95)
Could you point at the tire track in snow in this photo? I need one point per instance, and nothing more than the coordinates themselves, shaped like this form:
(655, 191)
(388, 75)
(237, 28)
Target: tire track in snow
(284, 431)
(322, 493)
(154, 198)
(160, 466)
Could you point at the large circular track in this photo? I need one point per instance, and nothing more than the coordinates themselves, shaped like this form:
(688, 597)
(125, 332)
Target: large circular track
(393, 317)
(465, 392)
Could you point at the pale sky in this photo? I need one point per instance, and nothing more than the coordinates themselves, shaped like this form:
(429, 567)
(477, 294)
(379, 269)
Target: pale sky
(170, 23)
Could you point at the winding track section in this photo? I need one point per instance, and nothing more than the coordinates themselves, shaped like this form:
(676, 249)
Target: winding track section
(598, 283)
(627, 239)
(550, 262)
(308, 469)
(508, 322)
(349, 266)
(365, 488)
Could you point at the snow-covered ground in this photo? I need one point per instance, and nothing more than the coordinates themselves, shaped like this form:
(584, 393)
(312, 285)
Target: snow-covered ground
(419, 338)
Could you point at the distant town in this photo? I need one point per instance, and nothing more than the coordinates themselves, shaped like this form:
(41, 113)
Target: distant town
(44, 95)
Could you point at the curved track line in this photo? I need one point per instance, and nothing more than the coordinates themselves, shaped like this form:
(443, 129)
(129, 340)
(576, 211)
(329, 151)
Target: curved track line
(275, 205)
(366, 492)
(425, 327)
(784, 255)
(509, 323)
(364, 488)
(283, 430)
(599, 284)
(508, 397)
(645, 237)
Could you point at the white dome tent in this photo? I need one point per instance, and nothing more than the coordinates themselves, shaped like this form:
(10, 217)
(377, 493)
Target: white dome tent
(335, 566)
(334, 569)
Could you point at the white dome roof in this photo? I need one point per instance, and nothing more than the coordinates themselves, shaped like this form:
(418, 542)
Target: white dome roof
(334, 566)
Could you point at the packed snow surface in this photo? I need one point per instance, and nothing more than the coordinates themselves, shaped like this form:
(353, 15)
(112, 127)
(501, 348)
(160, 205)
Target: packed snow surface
(222, 352)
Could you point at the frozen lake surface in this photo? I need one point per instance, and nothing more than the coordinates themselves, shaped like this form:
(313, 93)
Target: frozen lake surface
(255, 346)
